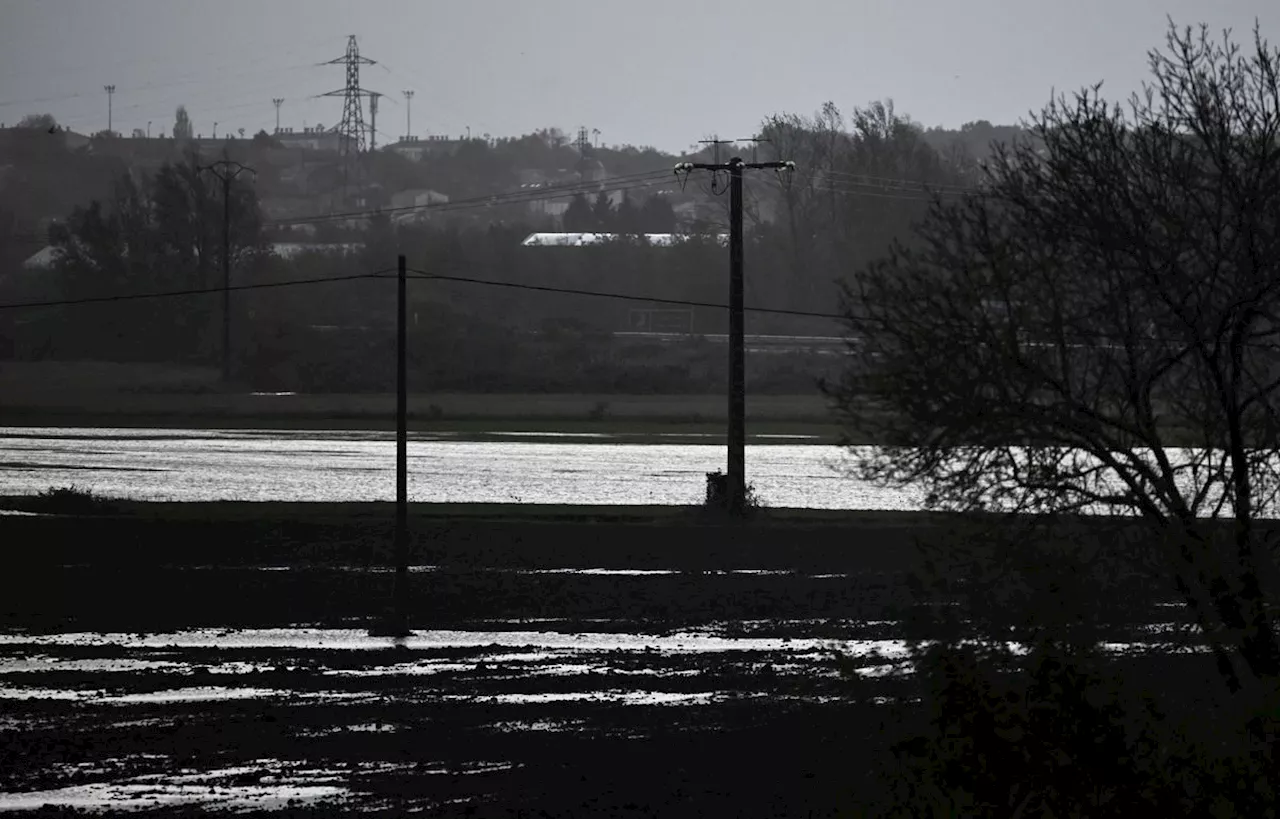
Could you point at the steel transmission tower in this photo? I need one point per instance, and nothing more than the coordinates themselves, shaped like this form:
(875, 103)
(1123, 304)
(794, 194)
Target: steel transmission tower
(373, 120)
(582, 143)
(352, 128)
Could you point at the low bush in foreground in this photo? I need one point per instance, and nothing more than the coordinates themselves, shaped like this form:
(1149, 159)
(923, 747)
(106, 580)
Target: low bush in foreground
(71, 500)
(1067, 733)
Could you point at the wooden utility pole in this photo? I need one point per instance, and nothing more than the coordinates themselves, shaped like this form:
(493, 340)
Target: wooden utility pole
(402, 452)
(226, 170)
(737, 432)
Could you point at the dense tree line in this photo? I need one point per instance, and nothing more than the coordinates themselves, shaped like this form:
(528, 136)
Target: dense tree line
(862, 180)
(653, 215)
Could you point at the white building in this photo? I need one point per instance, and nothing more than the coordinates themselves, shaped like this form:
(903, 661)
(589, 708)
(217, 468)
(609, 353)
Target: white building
(416, 148)
(585, 239)
(315, 138)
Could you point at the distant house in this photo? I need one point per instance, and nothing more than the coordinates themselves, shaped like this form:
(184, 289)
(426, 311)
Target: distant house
(43, 259)
(414, 205)
(314, 139)
(288, 250)
(416, 148)
(417, 197)
(47, 257)
(560, 194)
(74, 141)
(286, 208)
(71, 140)
(587, 239)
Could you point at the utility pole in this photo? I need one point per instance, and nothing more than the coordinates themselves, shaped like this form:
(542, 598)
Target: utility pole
(737, 432)
(277, 102)
(226, 170)
(400, 626)
(715, 141)
(111, 92)
(408, 115)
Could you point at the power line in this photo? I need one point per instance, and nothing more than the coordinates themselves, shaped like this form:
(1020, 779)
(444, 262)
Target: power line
(924, 196)
(495, 200)
(630, 181)
(502, 198)
(417, 274)
(421, 274)
(889, 180)
(633, 181)
(134, 62)
(519, 197)
(571, 291)
(201, 291)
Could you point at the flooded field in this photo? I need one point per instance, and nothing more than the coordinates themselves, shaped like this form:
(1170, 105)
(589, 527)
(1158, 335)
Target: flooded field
(266, 719)
(152, 720)
(317, 466)
(177, 664)
(204, 688)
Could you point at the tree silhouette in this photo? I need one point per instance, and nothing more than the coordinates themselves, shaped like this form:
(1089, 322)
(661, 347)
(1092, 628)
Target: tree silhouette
(603, 213)
(182, 124)
(657, 215)
(1110, 295)
(579, 216)
(43, 122)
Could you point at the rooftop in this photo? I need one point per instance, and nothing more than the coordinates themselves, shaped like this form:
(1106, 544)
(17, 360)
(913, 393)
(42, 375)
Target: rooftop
(583, 239)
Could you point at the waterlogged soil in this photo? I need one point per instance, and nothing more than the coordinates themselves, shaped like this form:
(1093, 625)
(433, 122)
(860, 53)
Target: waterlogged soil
(495, 719)
(605, 671)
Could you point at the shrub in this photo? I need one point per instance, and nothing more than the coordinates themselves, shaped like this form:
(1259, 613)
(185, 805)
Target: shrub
(718, 494)
(71, 500)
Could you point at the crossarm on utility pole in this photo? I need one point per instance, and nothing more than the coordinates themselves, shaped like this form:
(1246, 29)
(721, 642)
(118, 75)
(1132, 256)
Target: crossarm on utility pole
(226, 170)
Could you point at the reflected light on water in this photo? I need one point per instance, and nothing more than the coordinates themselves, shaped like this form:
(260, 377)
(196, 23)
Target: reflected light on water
(280, 465)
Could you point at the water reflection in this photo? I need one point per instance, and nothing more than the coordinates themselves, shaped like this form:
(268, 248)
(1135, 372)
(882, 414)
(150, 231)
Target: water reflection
(332, 466)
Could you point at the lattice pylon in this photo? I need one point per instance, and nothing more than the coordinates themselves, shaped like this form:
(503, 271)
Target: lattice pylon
(352, 128)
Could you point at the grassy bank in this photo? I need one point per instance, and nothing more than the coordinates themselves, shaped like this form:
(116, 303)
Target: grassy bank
(567, 430)
(713, 565)
(524, 535)
(643, 416)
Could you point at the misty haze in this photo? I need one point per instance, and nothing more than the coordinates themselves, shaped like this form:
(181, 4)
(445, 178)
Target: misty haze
(658, 409)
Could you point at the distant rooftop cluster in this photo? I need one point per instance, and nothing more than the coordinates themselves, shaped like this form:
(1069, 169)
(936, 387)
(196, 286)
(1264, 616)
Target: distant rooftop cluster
(584, 239)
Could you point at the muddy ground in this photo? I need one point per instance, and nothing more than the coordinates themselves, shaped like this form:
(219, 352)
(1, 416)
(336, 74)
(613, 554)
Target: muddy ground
(600, 667)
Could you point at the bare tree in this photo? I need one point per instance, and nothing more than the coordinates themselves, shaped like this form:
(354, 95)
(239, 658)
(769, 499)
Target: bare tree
(1096, 331)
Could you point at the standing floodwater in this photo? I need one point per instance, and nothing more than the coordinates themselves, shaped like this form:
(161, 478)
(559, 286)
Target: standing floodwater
(275, 465)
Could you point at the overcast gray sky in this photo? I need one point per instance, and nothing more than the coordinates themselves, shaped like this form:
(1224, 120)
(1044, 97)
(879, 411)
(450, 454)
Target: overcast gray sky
(654, 72)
